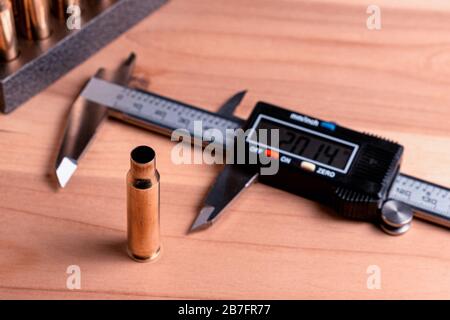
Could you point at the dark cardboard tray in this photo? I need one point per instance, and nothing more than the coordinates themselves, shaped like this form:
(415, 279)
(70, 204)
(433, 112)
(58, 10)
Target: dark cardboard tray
(41, 63)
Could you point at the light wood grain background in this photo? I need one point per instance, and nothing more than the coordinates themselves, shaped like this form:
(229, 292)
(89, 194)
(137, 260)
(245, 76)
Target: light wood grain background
(316, 57)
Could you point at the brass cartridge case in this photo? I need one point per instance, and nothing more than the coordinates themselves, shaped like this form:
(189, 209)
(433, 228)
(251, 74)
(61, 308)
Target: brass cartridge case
(59, 7)
(34, 18)
(143, 225)
(8, 37)
(103, 4)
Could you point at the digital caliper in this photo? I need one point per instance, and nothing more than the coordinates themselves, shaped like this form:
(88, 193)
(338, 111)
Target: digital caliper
(355, 173)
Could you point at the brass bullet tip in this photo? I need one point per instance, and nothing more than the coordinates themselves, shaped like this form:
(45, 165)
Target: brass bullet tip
(8, 38)
(34, 18)
(59, 7)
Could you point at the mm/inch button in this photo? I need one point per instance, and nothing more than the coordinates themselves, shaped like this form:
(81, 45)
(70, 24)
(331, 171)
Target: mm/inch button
(328, 125)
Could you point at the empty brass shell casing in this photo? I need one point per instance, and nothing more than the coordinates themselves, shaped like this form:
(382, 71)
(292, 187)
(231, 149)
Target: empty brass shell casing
(8, 38)
(103, 4)
(143, 230)
(59, 7)
(34, 18)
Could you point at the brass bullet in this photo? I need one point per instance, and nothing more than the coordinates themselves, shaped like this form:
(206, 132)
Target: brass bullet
(59, 8)
(143, 226)
(34, 18)
(8, 38)
(102, 5)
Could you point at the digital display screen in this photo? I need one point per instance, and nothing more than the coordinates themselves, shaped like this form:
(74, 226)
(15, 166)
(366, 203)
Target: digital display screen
(306, 144)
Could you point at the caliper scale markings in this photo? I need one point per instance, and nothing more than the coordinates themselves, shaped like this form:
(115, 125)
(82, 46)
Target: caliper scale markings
(429, 201)
(160, 111)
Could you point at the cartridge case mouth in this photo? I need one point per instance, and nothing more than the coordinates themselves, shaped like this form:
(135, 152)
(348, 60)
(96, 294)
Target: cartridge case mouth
(143, 165)
(143, 155)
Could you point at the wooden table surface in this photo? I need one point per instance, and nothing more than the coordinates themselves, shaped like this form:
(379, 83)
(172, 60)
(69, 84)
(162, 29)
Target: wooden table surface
(315, 57)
